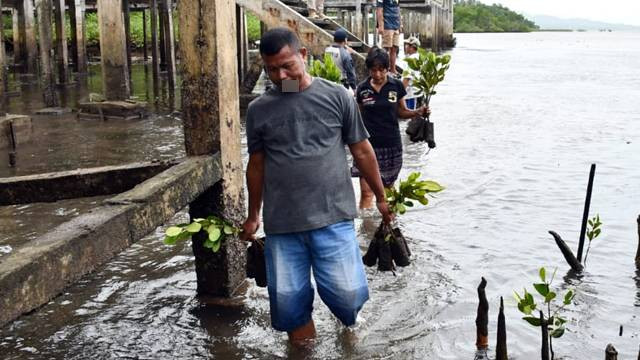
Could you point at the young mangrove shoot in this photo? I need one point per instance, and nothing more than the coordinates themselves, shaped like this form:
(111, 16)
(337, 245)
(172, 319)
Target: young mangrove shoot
(216, 228)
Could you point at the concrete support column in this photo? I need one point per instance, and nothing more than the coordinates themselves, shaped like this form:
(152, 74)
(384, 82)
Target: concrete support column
(78, 29)
(113, 52)
(31, 46)
(62, 55)
(358, 20)
(126, 11)
(365, 24)
(3, 63)
(211, 123)
(47, 74)
(169, 41)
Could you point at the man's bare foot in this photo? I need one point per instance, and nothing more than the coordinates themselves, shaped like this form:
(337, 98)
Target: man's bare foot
(303, 335)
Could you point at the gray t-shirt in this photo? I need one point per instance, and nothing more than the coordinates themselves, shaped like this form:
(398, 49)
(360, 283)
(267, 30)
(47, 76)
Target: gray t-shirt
(307, 183)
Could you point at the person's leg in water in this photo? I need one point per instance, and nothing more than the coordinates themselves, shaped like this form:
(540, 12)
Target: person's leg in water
(303, 335)
(366, 195)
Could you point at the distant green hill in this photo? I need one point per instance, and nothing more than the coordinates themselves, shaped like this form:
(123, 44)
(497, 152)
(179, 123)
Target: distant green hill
(472, 16)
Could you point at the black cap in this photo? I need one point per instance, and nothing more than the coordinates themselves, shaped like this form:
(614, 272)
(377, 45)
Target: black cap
(340, 35)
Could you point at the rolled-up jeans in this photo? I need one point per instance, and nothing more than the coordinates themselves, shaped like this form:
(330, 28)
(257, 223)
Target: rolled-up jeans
(332, 252)
(317, 5)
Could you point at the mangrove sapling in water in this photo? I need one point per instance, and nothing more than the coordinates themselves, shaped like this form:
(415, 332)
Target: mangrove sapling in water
(216, 228)
(593, 231)
(388, 245)
(552, 322)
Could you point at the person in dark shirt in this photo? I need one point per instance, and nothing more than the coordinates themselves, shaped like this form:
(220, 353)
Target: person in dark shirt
(381, 101)
(341, 55)
(390, 27)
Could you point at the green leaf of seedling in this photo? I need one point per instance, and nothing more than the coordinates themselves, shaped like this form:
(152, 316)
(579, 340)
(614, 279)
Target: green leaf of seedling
(387, 237)
(228, 229)
(424, 201)
(542, 288)
(170, 240)
(542, 275)
(408, 204)
(208, 244)
(193, 227)
(568, 297)
(431, 186)
(557, 332)
(214, 234)
(550, 296)
(199, 219)
(216, 246)
(528, 297)
(527, 309)
(173, 231)
(532, 320)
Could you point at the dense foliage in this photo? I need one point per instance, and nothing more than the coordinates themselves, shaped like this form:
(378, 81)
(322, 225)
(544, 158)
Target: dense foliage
(472, 16)
(326, 70)
(431, 69)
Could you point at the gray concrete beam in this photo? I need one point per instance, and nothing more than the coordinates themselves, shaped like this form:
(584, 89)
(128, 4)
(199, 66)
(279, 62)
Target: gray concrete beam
(35, 273)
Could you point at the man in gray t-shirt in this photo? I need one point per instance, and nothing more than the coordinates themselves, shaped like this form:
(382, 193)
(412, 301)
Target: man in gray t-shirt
(296, 134)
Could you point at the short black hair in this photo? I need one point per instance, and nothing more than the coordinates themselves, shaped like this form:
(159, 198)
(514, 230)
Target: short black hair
(377, 57)
(275, 39)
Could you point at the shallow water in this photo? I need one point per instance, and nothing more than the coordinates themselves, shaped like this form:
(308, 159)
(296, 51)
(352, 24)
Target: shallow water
(519, 119)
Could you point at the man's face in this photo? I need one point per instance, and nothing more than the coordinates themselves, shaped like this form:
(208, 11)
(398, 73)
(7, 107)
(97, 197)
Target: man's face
(378, 74)
(287, 64)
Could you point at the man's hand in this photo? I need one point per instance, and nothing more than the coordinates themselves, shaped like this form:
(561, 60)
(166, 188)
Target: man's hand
(424, 110)
(380, 30)
(387, 215)
(249, 229)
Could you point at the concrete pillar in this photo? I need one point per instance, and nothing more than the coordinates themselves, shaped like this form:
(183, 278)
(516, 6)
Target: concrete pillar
(211, 121)
(77, 11)
(155, 49)
(365, 24)
(17, 41)
(113, 52)
(31, 46)
(47, 74)
(161, 37)
(169, 42)
(358, 20)
(62, 55)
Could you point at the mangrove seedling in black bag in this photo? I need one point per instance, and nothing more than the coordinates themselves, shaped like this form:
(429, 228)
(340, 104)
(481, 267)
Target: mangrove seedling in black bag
(389, 248)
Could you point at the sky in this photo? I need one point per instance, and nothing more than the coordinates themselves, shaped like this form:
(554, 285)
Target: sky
(611, 11)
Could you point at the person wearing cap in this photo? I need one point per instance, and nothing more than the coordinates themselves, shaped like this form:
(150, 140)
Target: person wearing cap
(341, 55)
(316, 9)
(389, 26)
(411, 46)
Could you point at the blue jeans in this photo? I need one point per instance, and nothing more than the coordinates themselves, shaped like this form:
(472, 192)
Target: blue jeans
(333, 254)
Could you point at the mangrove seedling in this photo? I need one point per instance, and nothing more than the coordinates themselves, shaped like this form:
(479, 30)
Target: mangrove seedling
(388, 245)
(553, 321)
(593, 231)
(216, 228)
(430, 69)
(326, 69)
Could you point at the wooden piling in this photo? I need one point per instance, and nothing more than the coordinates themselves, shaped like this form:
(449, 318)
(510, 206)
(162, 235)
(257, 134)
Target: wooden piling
(47, 74)
(80, 37)
(12, 140)
(243, 43)
(126, 13)
(638, 250)
(211, 124)
(501, 345)
(17, 41)
(73, 46)
(3, 72)
(115, 74)
(566, 252)
(144, 34)
(482, 318)
(62, 54)
(585, 213)
(169, 43)
(155, 47)
(610, 353)
(31, 46)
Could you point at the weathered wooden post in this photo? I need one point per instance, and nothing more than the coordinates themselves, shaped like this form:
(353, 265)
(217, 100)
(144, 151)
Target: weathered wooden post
(80, 37)
(3, 72)
(638, 250)
(243, 43)
(155, 48)
(545, 337)
(169, 43)
(115, 75)
(144, 34)
(17, 42)
(31, 46)
(62, 55)
(44, 9)
(585, 213)
(210, 115)
(126, 12)
(610, 353)
(501, 345)
(482, 318)
(567, 253)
